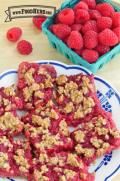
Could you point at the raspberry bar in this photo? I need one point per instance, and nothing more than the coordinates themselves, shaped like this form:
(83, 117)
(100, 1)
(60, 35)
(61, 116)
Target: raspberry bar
(42, 139)
(9, 101)
(6, 154)
(63, 166)
(22, 158)
(35, 84)
(47, 130)
(76, 98)
(96, 137)
(15, 157)
(10, 123)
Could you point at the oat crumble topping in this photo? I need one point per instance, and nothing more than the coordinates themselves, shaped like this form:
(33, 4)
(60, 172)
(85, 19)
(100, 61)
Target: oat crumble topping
(69, 173)
(43, 122)
(21, 161)
(79, 136)
(29, 76)
(62, 79)
(69, 107)
(72, 160)
(5, 141)
(10, 91)
(4, 161)
(63, 127)
(48, 141)
(9, 121)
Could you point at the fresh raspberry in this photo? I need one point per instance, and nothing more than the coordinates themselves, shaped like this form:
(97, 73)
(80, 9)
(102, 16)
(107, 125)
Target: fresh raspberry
(81, 5)
(116, 19)
(90, 55)
(105, 9)
(38, 20)
(66, 16)
(91, 3)
(76, 27)
(90, 25)
(14, 34)
(102, 49)
(82, 16)
(117, 32)
(90, 39)
(104, 22)
(61, 30)
(94, 14)
(108, 37)
(24, 47)
(75, 40)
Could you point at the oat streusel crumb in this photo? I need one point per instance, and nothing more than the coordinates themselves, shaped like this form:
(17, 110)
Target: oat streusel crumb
(79, 136)
(63, 127)
(9, 121)
(72, 160)
(4, 161)
(62, 79)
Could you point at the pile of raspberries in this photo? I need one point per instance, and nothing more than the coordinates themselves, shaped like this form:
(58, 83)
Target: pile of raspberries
(89, 29)
(63, 128)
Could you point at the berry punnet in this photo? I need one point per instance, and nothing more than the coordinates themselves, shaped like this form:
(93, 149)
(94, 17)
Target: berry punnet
(89, 29)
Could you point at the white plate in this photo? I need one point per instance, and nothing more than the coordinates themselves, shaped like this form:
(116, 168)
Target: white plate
(109, 165)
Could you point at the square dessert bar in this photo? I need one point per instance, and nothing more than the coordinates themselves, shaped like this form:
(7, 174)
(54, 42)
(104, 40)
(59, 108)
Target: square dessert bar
(35, 84)
(76, 98)
(96, 137)
(63, 166)
(15, 157)
(47, 130)
(45, 135)
(10, 123)
(9, 101)
(6, 155)
(22, 158)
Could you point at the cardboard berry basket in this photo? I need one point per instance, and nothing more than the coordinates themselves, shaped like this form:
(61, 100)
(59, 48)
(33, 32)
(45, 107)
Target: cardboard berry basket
(67, 52)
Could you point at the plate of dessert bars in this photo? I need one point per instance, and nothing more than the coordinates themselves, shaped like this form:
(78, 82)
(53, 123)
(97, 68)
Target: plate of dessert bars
(58, 122)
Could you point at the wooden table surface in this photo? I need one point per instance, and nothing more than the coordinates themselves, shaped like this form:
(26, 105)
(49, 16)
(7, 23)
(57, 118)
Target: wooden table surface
(10, 58)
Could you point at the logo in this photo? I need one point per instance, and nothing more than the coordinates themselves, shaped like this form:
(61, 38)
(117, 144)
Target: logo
(26, 11)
